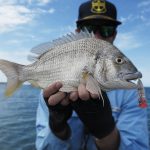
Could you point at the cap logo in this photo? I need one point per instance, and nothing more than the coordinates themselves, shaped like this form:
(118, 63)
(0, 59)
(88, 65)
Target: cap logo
(98, 6)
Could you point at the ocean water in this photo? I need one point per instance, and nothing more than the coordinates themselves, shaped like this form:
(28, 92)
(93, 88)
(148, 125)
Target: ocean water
(17, 118)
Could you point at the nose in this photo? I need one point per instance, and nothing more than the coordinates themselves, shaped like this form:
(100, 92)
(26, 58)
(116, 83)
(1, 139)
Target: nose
(98, 36)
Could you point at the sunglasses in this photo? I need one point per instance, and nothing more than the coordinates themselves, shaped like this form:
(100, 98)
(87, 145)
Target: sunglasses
(104, 31)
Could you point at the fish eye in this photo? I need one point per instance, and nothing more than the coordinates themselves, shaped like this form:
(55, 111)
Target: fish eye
(119, 60)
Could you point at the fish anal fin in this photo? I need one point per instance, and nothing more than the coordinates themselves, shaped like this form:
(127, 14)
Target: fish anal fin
(68, 88)
(34, 83)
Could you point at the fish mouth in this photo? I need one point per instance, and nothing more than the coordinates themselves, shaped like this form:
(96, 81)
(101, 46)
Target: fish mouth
(131, 78)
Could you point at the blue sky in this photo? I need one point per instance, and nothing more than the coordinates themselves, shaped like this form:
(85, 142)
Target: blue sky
(27, 23)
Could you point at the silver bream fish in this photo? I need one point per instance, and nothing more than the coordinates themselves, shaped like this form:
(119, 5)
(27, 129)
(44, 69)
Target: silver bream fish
(73, 59)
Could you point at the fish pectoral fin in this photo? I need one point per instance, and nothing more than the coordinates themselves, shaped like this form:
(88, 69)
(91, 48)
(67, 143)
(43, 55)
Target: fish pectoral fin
(93, 87)
(91, 83)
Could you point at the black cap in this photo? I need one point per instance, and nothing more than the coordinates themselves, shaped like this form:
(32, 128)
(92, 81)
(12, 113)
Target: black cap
(97, 12)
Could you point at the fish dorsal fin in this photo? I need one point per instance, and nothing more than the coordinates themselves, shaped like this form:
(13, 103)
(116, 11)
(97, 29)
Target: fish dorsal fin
(42, 48)
(32, 58)
(48, 46)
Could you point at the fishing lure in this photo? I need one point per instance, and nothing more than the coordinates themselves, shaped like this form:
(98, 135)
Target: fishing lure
(142, 97)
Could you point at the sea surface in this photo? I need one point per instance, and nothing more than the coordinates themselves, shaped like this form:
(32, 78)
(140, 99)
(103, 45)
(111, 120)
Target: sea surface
(17, 118)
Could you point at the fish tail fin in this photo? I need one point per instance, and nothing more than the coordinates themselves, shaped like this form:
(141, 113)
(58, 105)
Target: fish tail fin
(11, 70)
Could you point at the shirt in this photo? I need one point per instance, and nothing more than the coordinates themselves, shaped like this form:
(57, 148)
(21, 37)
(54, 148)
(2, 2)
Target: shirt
(131, 121)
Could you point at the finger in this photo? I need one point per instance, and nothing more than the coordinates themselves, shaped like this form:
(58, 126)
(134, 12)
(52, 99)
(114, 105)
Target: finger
(65, 101)
(83, 93)
(94, 96)
(56, 98)
(73, 96)
(53, 88)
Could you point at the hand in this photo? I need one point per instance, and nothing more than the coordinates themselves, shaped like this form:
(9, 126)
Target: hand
(53, 96)
(96, 117)
(59, 109)
(82, 93)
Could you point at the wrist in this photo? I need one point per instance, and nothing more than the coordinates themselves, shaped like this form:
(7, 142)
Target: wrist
(109, 142)
(96, 117)
(58, 117)
(107, 126)
(104, 126)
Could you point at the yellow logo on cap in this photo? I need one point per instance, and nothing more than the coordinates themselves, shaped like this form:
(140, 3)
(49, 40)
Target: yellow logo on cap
(98, 6)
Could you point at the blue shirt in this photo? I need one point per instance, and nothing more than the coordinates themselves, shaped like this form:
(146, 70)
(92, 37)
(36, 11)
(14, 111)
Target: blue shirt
(131, 121)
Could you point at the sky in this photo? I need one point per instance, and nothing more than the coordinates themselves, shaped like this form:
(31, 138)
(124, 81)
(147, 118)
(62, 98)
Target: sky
(27, 23)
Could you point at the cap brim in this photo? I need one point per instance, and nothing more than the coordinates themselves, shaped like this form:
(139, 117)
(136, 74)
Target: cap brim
(98, 20)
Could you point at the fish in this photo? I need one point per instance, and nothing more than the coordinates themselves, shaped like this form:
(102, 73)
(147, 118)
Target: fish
(73, 59)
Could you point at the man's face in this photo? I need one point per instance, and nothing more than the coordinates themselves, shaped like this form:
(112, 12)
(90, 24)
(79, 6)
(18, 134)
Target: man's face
(107, 33)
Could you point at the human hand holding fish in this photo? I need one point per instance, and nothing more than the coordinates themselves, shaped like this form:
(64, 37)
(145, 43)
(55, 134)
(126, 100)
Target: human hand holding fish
(61, 105)
(54, 96)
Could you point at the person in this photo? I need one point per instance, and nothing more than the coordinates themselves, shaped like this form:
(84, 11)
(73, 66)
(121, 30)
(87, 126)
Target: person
(78, 120)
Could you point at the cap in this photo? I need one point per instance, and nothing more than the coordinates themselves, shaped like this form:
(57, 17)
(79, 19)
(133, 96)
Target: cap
(97, 12)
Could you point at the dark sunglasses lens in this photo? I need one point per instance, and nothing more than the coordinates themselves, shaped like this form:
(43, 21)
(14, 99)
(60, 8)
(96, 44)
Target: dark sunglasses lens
(107, 31)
